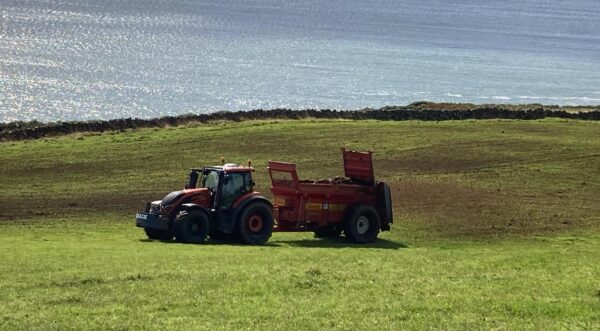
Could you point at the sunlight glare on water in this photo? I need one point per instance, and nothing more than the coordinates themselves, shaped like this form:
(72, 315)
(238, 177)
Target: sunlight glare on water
(83, 59)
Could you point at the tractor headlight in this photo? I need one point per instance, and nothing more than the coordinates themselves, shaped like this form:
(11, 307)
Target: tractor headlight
(155, 206)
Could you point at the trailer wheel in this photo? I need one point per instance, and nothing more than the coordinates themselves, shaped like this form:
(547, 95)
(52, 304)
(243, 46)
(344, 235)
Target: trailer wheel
(362, 225)
(158, 234)
(255, 224)
(191, 226)
(329, 231)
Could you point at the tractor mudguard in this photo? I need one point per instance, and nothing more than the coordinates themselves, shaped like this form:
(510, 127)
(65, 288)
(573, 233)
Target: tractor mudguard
(192, 206)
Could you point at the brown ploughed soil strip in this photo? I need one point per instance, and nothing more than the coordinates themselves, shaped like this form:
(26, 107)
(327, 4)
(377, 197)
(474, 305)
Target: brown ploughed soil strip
(457, 209)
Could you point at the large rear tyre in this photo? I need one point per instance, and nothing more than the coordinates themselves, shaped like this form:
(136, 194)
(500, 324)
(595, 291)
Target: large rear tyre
(363, 224)
(158, 234)
(255, 224)
(191, 226)
(329, 231)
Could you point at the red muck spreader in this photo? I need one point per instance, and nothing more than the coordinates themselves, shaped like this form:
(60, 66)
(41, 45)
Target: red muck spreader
(357, 204)
(220, 202)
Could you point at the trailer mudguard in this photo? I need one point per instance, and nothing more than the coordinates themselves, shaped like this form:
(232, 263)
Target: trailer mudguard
(385, 202)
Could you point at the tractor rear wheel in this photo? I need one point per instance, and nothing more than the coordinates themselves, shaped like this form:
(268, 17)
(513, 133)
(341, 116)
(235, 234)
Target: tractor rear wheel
(255, 224)
(329, 231)
(362, 225)
(191, 226)
(158, 234)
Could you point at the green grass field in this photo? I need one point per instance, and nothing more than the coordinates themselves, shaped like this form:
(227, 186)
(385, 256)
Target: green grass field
(497, 226)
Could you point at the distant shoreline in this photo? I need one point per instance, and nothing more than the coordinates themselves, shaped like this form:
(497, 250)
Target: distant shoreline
(425, 111)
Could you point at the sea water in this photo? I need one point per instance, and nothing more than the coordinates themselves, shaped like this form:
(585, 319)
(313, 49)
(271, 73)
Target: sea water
(103, 59)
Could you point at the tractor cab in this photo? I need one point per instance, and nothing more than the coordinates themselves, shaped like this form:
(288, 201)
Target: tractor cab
(225, 183)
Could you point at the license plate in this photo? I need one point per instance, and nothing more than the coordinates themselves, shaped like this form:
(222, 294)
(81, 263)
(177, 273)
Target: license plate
(141, 216)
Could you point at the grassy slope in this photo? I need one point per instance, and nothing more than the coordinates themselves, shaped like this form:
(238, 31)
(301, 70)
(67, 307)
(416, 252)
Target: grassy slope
(497, 227)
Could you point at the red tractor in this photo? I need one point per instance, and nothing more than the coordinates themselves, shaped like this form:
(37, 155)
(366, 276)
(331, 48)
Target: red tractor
(220, 202)
(217, 202)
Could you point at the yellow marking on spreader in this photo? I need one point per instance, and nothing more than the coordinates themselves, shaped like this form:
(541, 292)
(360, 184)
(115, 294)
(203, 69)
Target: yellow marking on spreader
(313, 206)
(318, 206)
(336, 207)
(279, 201)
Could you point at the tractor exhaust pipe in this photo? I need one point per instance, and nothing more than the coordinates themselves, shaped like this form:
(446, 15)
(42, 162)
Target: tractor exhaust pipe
(193, 180)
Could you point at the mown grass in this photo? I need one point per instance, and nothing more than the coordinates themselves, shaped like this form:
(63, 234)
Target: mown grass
(496, 228)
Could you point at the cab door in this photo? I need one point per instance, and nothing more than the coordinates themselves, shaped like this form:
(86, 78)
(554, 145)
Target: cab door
(235, 184)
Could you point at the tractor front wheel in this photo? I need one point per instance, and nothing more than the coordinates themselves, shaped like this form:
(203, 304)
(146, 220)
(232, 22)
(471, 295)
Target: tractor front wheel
(158, 234)
(255, 224)
(191, 226)
(363, 224)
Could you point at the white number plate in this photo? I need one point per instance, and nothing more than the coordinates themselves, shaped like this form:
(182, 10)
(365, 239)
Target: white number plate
(141, 216)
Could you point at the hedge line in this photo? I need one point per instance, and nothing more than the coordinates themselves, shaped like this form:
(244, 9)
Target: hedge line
(417, 111)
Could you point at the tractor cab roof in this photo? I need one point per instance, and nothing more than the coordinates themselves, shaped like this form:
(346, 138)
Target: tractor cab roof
(227, 167)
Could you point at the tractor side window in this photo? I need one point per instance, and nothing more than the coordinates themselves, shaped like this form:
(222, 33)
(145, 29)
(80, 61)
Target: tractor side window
(234, 185)
(247, 182)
